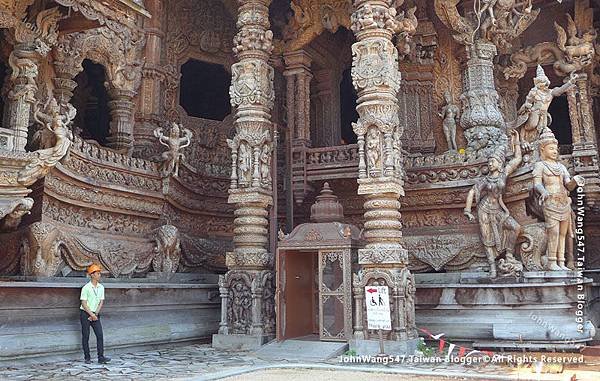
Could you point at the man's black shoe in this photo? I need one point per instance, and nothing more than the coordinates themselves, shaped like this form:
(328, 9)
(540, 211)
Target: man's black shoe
(88, 361)
(104, 360)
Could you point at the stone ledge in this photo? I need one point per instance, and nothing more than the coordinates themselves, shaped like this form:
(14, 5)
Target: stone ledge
(235, 342)
(392, 348)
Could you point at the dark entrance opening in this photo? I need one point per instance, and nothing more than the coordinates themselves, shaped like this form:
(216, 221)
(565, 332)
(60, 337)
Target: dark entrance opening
(90, 98)
(204, 90)
(348, 100)
(561, 123)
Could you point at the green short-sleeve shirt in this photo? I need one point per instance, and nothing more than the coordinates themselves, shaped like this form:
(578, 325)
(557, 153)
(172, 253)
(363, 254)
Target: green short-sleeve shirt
(93, 295)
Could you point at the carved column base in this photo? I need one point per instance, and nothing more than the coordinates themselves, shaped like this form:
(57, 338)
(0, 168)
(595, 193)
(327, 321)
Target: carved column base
(383, 255)
(403, 338)
(247, 309)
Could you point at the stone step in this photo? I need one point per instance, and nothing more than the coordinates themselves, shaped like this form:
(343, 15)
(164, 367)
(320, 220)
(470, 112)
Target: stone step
(301, 350)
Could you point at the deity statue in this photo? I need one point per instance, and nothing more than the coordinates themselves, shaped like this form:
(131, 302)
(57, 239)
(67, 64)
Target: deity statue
(498, 229)
(265, 165)
(533, 116)
(245, 164)
(373, 151)
(176, 144)
(241, 301)
(552, 183)
(45, 159)
(450, 113)
(495, 21)
(500, 18)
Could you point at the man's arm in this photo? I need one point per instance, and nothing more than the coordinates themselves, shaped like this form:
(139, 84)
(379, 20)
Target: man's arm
(101, 302)
(87, 309)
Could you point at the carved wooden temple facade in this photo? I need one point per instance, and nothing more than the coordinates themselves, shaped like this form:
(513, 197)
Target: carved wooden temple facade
(192, 137)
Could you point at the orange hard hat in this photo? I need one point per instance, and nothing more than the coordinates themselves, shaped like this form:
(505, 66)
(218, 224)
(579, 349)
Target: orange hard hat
(93, 268)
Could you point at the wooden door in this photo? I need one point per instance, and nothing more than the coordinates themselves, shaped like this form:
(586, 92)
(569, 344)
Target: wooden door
(297, 279)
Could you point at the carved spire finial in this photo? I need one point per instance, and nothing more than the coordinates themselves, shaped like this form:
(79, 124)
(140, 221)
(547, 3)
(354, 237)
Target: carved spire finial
(326, 208)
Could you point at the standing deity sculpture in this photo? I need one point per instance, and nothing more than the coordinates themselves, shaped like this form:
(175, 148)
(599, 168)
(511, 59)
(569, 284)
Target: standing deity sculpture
(373, 148)
(498, 229)
(552, 183)
(173, 156)
(241, 301)
(45, 159)
(533, 116)
(450, 113)
(265, 164)
(245, 165)
(500, 21)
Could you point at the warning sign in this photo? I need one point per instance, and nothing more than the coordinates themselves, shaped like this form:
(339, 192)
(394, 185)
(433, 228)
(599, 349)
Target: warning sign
(378, 307)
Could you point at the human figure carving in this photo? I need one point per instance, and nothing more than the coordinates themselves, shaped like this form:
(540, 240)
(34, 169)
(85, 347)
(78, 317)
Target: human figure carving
(450, 113)
(45, 159)
(240, 304)
(176, 144)
(244, 164)
(533, 116)
(553, 183)
(503, 17)
(498, 229)
(373, 150)
(265, 164)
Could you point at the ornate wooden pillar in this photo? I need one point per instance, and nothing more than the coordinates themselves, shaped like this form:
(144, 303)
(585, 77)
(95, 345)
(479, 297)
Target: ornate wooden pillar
(152, 74)
(484, 125)
(298, 76)
(384, 260)
(121, 122)
(63, 82)
(21, 94)
(248, 324)
(585, 148)
(328, 93)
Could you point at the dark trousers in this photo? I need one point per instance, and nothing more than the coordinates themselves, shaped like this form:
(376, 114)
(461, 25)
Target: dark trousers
(85, 334)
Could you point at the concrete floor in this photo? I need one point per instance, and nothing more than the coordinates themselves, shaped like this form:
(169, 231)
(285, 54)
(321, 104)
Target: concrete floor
(197, 362)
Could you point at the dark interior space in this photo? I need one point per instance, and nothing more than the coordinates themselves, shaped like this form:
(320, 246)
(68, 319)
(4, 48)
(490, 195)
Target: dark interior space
(90, 98)
(204, 90)
(561, 123)
(348, 100)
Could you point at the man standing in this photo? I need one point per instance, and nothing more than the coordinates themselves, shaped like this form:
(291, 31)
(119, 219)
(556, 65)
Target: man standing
(92, 299)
